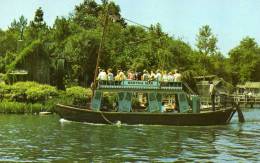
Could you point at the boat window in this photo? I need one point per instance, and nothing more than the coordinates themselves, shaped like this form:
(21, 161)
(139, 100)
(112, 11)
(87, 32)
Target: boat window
(182, 97)
(152, 97)
(128, 96)
(121, 96)
(97, 95)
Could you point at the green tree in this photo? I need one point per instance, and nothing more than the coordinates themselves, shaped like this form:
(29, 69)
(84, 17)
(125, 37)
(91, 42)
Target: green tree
(38, 28)
(206, 41)
(244, 60)
(81, 52)
(19, 26)
(206, 44)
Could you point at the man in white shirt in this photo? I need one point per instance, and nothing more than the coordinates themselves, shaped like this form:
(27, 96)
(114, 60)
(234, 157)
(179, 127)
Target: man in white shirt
(212, 93)
(102, 75)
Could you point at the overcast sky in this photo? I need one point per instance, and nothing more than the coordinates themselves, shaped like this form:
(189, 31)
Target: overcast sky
(230, 20)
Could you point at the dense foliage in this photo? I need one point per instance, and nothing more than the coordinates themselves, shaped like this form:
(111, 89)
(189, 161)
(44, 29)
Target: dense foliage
(32, 97)
(72, 43)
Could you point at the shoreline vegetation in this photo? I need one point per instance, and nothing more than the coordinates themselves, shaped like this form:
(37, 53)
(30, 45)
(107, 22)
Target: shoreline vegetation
(33, 98)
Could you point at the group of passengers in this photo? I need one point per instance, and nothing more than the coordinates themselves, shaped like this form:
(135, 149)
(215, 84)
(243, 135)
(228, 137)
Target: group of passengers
(164, 76)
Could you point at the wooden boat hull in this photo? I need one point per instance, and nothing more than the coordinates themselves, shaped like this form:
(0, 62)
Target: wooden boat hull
(219, 117)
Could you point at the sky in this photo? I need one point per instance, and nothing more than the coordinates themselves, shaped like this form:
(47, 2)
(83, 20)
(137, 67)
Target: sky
(230, 20)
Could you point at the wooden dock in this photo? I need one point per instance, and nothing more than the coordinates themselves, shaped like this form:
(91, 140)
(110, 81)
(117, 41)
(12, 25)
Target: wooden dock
(242, 100)
(246, 101)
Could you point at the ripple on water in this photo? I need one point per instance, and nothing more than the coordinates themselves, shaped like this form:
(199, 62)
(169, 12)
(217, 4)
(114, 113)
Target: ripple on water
(45, 139)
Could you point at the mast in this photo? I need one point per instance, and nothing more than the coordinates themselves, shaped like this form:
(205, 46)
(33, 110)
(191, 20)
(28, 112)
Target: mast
(100, 47)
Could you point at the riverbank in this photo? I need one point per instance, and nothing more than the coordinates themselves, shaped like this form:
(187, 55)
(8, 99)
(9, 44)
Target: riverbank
(33, 98)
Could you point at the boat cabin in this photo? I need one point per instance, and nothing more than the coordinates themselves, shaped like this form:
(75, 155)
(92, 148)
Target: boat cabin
(156, 96)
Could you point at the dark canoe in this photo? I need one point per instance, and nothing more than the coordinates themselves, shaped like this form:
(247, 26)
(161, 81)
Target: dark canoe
(219, 117)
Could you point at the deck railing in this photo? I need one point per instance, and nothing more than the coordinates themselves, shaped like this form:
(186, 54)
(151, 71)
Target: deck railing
(139, 85)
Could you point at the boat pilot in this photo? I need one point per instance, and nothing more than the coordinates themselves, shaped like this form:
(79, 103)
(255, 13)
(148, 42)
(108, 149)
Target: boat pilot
(212, 93)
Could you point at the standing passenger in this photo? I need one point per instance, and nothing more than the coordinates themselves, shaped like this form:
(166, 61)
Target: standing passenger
(121, 75)
(146, 75)
(170, 77)
(158, 75)
(212, 93)
(110, 75)
(165, 76)
(117, 77)
(102, 75)
(152, 76)
(130, 75)
(177, 76)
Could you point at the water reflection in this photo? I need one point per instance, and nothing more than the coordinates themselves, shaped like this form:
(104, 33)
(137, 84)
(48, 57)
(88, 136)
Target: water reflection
(35, 138)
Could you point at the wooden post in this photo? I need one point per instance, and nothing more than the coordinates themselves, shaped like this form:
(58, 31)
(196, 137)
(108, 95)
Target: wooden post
(100, 48)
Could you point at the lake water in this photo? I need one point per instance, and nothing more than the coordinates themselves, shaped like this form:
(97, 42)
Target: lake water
(27, 138)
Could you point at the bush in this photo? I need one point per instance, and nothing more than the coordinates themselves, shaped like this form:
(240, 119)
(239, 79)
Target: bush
(30, 92)
(28, 97)
(79, 95)
(32, 97)
(40, 93)
(109, 100)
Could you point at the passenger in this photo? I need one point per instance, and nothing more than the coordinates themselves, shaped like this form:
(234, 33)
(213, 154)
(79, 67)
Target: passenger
(152, 76)
(121, 75)
(177, 76)
(117, 77)
(170, 77)
(138, 76)
(102, 75)
(212, 93)
(130, 75)
(165, 76)
(158, 75)
(110, 75)
(146, 75)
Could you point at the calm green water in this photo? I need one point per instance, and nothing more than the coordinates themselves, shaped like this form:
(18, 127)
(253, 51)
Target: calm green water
(26, 138)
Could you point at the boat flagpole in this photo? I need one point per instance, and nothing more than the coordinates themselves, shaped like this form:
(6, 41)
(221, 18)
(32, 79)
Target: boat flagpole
(100, 48)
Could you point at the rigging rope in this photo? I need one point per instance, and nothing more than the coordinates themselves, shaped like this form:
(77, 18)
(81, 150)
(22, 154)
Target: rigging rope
(136, 23)
(107, 120)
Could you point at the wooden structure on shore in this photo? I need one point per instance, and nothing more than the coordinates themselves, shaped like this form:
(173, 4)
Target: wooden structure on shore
(247, 95)
(246, 101)
(222, 87)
